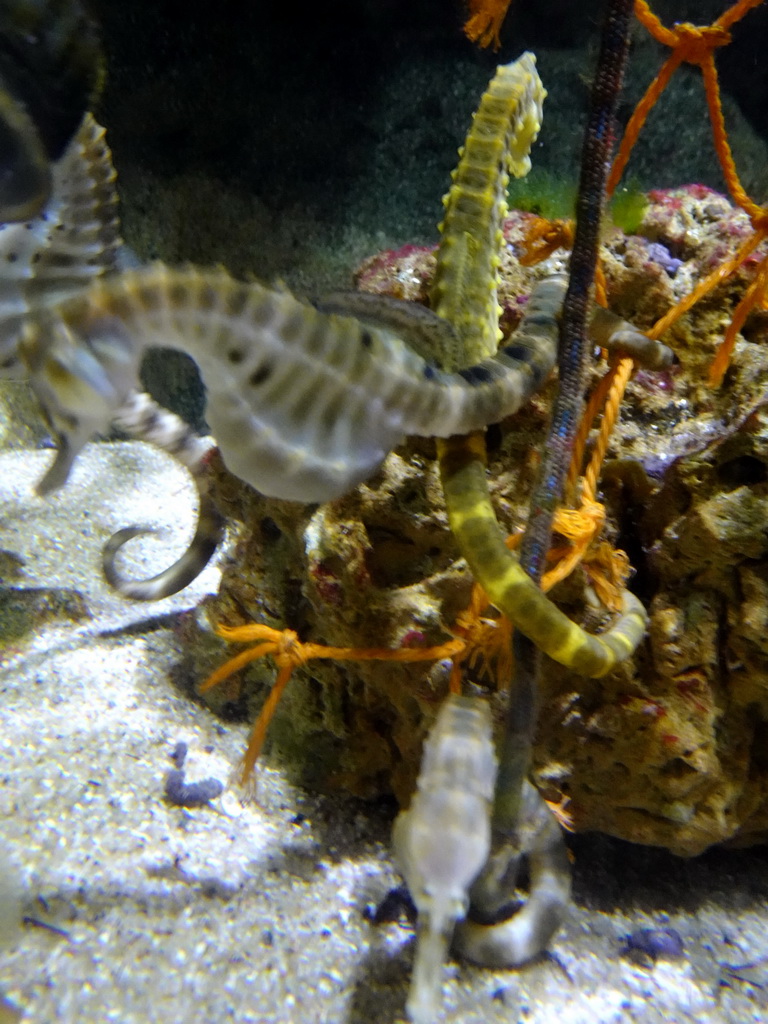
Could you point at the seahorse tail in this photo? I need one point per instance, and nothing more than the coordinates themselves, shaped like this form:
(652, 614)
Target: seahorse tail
(143, 418)
(511, 590)
(208, 535)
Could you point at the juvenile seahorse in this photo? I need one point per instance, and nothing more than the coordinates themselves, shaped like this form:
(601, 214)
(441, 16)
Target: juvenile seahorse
(442, 841)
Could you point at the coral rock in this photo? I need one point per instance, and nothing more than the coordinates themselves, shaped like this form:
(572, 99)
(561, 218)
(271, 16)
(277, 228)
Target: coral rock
(669, 749)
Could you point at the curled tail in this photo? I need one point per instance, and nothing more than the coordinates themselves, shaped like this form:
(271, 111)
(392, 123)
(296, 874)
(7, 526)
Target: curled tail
(141, 417)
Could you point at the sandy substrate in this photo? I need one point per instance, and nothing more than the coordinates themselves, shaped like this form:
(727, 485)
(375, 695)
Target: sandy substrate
(140, 911)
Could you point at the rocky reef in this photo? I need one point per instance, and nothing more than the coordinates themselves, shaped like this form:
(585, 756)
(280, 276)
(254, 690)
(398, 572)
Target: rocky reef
(669, 748)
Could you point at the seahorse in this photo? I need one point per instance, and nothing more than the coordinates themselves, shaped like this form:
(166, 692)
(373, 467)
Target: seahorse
(464, 293)
(442, 841)
(304, 405)
(75, 239)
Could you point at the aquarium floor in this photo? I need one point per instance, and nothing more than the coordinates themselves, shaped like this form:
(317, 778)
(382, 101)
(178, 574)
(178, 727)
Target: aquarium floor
(139, 911)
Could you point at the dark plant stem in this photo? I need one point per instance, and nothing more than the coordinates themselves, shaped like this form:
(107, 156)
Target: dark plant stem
(595, 161)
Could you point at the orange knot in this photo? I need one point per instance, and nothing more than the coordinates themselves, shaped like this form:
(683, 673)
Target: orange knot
(543, 237)
(608, 570)
(695, 43)
(289, 650)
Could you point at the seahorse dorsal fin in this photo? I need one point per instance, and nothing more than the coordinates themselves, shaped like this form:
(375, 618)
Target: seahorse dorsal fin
(424, 331)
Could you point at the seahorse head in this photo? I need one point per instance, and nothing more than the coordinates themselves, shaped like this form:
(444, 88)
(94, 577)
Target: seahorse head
(80, 373)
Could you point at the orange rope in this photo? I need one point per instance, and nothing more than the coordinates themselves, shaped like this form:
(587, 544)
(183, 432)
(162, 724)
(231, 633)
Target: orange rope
(691, 44)
(288, 652)
(695, 44)
(619, 380)
(601, 285)
(594, 404)
(639, 117)
(722, 146)
(753, 296)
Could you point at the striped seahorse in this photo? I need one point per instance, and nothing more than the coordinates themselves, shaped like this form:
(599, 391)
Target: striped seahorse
(303, 404)
(468, 258)
(73, 240)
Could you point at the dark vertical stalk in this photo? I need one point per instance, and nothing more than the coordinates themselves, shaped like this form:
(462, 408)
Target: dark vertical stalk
(595, 160)
(595, 164)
